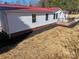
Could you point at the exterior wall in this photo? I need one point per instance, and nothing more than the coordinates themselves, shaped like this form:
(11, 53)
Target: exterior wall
(3, 21)
(0, 18)
(0, 21)
(23, 21)
(62, 16)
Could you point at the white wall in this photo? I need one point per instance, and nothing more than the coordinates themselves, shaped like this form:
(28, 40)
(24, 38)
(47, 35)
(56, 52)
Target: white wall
(62, 16)
(22, 21)
(0, 19)
(3, 21)
(0, 22)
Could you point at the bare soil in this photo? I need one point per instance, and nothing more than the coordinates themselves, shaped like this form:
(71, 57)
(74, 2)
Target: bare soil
(56, 43)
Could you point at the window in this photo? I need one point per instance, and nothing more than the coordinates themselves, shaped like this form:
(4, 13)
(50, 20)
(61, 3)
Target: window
(46, 17)
(33, 18)
(54, 16)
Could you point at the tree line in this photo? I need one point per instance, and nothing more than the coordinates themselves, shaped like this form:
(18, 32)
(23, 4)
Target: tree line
(64, 4)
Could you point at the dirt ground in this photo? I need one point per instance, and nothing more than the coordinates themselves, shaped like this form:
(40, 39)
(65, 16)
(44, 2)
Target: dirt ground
(56, 43)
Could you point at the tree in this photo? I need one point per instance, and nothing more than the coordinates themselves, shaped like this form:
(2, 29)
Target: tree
(6, 3)
(64, 4)
(43, 3)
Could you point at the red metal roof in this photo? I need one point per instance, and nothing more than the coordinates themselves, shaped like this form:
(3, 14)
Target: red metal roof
(43, 9)
(30, 8)
(13, 5)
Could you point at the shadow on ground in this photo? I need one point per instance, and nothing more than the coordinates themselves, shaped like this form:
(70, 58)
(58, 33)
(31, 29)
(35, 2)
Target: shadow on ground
(73, 25)
(7, 44)
(70, 26)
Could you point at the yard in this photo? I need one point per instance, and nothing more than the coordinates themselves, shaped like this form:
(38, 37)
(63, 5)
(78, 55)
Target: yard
(56, 43)
(74, 15)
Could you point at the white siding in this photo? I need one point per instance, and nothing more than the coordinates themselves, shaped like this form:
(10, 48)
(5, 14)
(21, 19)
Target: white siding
(61, 16)
(0, 22)
(23, 21)
(0, 19)
(3, 22)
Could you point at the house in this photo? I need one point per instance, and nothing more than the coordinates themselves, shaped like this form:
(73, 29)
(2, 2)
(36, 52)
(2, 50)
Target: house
(17, 20)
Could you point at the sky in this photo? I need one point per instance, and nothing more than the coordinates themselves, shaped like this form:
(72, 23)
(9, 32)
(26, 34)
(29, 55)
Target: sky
(27, 1)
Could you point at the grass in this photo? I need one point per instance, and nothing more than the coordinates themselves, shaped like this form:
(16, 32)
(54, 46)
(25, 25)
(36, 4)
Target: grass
(74, 15)
(55, 43)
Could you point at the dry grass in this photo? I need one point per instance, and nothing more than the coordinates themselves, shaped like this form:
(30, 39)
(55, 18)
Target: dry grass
(56, 43)
(74, 15)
